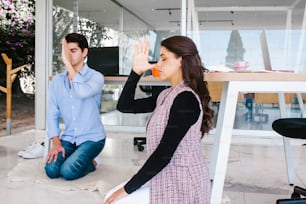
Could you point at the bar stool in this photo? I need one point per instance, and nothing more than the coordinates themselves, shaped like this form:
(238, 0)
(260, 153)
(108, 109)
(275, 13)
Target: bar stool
(292, 128)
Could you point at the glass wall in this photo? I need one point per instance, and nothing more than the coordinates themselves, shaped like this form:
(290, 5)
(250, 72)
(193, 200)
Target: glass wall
(230, 35)
(253, 37)
(106, 24)
(229, 47)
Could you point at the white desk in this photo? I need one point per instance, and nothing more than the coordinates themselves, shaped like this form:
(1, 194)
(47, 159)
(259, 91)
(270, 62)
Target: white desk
(246, 82)
(233, 83)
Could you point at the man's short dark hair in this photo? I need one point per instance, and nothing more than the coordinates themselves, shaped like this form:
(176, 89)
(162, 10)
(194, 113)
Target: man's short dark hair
(77, 38)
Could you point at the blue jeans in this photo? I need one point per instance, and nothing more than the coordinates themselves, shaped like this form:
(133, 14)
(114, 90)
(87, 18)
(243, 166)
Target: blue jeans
(78, 160)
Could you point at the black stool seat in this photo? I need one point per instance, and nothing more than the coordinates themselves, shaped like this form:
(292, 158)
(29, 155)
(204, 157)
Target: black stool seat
(290, 127)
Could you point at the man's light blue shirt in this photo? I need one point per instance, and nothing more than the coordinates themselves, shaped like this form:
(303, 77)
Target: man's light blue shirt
(78, 104)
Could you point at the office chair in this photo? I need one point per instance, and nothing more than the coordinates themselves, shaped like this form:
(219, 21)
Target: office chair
(295, 197)
(149, 90)
(292, 128)
(140, 142)
(154, 90)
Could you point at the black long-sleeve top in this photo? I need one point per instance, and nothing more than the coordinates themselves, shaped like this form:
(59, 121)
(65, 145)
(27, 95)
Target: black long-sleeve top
(184, 113)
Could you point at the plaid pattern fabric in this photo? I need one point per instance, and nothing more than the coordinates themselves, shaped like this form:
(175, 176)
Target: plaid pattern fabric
(185, 179)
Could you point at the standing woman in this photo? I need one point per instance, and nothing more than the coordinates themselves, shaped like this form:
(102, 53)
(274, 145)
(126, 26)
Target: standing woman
(175, 168)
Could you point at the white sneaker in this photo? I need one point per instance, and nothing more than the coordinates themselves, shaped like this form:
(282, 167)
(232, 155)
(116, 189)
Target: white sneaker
(35, 150)
(28, 148)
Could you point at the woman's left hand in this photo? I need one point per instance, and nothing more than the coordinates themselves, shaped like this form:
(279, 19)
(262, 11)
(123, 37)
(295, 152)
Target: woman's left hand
(120, 193)
(141, 57)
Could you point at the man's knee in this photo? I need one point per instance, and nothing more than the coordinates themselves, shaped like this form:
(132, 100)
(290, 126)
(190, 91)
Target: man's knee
(51, 171)
(69, 173)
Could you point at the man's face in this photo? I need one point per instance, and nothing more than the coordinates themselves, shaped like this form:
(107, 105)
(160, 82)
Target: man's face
(75, 54)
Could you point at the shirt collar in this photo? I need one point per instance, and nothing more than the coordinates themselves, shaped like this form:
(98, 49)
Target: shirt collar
(82, 72)
(84, 69)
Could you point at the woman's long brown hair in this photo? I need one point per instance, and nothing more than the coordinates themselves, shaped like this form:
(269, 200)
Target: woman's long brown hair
(193, 76)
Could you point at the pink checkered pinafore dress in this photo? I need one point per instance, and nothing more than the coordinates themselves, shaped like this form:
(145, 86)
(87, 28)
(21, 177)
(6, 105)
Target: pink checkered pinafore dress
(185, 180)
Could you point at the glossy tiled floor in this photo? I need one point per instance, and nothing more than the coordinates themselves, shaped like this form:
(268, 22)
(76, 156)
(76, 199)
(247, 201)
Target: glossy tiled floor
(256, 169)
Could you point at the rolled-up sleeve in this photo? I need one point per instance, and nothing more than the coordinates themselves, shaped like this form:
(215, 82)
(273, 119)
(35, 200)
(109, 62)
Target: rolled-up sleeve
(53, 114)
(84, 88)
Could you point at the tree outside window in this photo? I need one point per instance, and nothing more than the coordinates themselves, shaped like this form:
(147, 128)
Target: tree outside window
(17, 30)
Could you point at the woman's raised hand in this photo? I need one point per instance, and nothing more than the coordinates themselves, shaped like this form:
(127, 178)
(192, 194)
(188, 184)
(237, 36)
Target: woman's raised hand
(141, 57)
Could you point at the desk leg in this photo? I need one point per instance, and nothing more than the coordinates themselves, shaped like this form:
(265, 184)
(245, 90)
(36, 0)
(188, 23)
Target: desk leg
(288, 156)
(301, 104)
(223, 138)
(286, 141)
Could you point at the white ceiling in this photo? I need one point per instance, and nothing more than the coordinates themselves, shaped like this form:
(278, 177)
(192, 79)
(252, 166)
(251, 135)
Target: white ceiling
(214, 14)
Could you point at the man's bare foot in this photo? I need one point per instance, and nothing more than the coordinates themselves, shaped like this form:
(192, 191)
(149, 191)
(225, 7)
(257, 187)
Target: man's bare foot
(94, 163)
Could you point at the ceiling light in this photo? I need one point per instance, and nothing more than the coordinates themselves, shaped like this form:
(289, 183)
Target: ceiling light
(170, 10)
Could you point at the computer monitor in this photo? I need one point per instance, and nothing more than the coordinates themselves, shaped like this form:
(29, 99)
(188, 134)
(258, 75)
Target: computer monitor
(104, 60)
